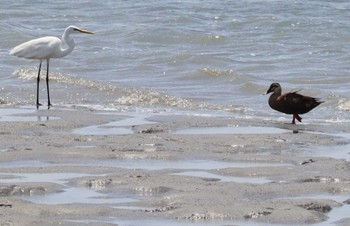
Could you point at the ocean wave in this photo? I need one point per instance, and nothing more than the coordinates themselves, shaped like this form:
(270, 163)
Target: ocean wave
(343, 105)
(216, 72)
(337, 120)
(26, 73)
(135, 96)
(30, 73)
(111, 94)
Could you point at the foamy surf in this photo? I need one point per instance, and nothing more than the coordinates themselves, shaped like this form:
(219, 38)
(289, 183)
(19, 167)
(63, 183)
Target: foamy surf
(110, 95)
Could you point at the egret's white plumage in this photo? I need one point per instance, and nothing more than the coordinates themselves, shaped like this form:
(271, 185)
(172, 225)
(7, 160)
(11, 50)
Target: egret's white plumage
(33, 49)
(46, 48)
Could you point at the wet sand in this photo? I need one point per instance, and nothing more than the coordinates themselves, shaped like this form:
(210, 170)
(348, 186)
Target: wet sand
(77, 166)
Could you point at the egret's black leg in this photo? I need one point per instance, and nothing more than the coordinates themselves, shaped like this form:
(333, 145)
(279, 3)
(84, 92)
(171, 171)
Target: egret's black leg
(37, 86)
(47, 83)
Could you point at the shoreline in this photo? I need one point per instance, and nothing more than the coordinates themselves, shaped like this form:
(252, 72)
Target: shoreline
(161, 168)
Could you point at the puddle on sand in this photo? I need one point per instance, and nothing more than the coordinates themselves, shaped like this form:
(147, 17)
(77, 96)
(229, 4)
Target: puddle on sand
(207, 175)
(24, 163)
(5, 149)
(15, 115)
(69, 195)
(150, 164)
(334, 215)
(79, 195)
(57, 178)
(102, 130)
(339, 151)
(334, 151)
(119, 127)
(337, 213)
(232, 130)
(144, 164)
(169, 222)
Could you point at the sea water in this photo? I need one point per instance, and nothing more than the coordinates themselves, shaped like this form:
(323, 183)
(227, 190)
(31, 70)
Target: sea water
(192, 55)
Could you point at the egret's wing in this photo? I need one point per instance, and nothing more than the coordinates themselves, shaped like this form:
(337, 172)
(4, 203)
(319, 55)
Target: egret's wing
(41, 48)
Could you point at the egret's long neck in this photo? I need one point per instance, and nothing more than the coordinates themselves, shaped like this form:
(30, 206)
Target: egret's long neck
(67, 44)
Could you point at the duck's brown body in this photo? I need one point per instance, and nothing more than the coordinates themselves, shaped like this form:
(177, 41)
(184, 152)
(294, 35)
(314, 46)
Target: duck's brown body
(291, 103)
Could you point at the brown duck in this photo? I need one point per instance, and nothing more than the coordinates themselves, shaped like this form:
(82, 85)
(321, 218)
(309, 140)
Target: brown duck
(291, 103)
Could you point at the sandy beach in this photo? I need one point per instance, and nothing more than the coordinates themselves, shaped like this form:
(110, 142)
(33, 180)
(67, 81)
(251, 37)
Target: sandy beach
(77, 166)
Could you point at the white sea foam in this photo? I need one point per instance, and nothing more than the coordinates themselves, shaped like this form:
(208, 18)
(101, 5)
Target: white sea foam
(344, 105)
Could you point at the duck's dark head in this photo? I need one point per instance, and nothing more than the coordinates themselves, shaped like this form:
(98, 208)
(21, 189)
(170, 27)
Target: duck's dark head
(274, 88)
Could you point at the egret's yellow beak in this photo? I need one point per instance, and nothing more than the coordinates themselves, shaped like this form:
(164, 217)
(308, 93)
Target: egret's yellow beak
(85, 31)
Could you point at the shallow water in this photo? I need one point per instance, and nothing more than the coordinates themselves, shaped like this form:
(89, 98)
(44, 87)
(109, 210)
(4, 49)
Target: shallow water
(118, 127)
(232, 130)
(148, 164)
(336, 213)
(25, 163)
(212, 176)
(339, 151)
(19, 115)
(144, 164)
(83, 195)
(335, 151)
(192, 55)
(106, 129)
(68, 195)
(152, 222)
(58, 178)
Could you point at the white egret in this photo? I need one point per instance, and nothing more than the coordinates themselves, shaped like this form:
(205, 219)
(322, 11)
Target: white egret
(46, 48)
